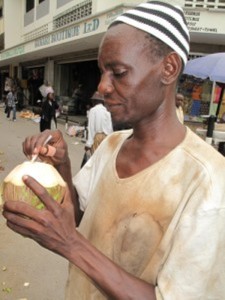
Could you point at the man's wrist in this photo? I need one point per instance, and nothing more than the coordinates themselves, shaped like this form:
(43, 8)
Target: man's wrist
(65, 164)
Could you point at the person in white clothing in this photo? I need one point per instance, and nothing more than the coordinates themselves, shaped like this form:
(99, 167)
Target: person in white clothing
(99, 123)
(179, 102)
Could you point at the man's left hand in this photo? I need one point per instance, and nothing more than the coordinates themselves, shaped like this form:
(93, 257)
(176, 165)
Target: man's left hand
(51, 227)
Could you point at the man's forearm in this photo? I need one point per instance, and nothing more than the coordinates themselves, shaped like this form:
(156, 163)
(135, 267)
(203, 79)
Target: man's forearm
(109, 277)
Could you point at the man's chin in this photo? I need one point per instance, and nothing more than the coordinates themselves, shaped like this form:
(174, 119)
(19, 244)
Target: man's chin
(120, 125)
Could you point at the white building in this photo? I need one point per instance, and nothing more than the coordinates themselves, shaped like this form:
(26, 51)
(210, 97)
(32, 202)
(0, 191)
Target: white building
(58, 40)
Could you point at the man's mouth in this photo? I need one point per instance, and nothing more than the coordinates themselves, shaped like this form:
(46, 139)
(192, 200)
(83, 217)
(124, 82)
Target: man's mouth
(112, 106)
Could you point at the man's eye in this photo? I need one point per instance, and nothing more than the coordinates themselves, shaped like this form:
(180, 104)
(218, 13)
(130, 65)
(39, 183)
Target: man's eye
(119, 73)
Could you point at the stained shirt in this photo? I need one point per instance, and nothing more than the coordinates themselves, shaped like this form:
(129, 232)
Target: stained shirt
(165, 224)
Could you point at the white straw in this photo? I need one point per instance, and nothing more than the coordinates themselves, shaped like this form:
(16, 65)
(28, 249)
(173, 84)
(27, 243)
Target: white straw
(34, 157)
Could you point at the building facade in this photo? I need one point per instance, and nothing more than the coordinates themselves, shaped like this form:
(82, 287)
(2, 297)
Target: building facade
(58, 40)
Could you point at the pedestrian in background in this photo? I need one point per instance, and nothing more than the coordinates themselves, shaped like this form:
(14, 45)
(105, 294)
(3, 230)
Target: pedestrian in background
(11, 104)
(48, 113)
(99, 123)
(196, 99)
(179, 107)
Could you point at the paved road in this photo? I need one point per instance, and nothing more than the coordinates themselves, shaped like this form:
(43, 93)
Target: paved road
(28, 271)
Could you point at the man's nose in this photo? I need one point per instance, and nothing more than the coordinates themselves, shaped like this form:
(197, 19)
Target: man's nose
(105, 86)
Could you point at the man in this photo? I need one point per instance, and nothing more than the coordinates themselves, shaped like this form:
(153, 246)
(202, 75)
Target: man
(152, 197)
(11, 104)
(196, 99)
(179, 102)
(99, 123)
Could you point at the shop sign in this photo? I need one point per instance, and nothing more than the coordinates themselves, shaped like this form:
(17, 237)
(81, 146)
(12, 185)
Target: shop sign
(94, 25)
(204, 22)
(68, 33)
(58, 36)
(13, 52)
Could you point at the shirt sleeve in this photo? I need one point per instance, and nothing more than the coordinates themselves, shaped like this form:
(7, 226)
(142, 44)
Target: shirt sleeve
(85, 180)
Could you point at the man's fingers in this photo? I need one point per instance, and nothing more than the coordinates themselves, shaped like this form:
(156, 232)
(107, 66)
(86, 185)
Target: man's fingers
(19, 223)
(16, 212)
(33, 144)
(55, 152)
(21, 215)
(48, 150)
(20, 209)
(41, 192)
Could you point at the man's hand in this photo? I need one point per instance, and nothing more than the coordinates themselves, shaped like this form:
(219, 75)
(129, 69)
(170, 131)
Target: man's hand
(55, 153)
(52, 227)
(34, 145)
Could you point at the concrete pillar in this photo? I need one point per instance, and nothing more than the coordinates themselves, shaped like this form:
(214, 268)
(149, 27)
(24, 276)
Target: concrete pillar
(20, 72)
(49, 71)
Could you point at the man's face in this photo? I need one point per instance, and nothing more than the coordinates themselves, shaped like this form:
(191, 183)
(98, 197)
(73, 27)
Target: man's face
(179, 100)
(130, 80)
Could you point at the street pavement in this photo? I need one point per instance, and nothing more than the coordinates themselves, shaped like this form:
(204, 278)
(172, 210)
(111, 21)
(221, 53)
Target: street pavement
(28, 271)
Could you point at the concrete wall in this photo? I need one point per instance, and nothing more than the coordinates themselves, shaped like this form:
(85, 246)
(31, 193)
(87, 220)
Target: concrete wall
(102, 5)
(209, 25)
(42, 9)
(32, 22)
(2, 29)
(13, 10)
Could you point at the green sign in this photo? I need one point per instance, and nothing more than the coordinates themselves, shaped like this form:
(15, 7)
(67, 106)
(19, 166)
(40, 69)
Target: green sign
(12, 52)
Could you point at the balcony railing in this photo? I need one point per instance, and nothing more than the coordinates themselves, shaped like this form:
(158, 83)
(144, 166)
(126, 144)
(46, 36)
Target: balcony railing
(77, 12)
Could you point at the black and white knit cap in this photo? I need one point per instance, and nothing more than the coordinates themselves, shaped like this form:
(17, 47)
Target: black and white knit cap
(162, 20)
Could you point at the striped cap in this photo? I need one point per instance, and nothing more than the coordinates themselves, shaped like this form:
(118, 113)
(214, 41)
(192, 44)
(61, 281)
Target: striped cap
(162, 20)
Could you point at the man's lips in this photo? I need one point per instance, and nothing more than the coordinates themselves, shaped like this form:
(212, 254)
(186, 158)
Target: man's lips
(113, 107)
(112, 104)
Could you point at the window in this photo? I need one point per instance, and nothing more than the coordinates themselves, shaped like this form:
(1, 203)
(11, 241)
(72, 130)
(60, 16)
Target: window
(29, 5)
(77, 12)
(208, 4)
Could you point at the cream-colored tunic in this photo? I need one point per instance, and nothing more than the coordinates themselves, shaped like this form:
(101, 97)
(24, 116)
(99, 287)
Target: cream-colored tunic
(165, 225)
(180, 114)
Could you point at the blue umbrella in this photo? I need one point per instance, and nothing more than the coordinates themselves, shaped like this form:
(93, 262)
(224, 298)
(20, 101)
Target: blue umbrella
(211, 66)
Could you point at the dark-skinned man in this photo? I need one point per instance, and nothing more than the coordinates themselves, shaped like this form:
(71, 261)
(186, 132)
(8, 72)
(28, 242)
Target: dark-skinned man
(149, 204)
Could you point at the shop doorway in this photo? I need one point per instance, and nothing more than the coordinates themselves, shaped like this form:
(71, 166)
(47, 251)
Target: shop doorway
(78, 82)
(3, 75)
(34, 78)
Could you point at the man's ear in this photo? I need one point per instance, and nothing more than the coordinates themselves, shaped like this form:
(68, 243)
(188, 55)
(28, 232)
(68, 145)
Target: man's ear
(172, 66)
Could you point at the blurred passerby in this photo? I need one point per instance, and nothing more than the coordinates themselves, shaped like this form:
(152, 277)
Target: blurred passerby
(11, 104)
(99, 123)
(48, 113)
(179, 107)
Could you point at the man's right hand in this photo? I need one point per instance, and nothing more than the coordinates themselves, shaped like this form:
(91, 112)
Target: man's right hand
(55, 152)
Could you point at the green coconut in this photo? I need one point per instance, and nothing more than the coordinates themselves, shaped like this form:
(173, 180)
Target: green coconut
(13, 187)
